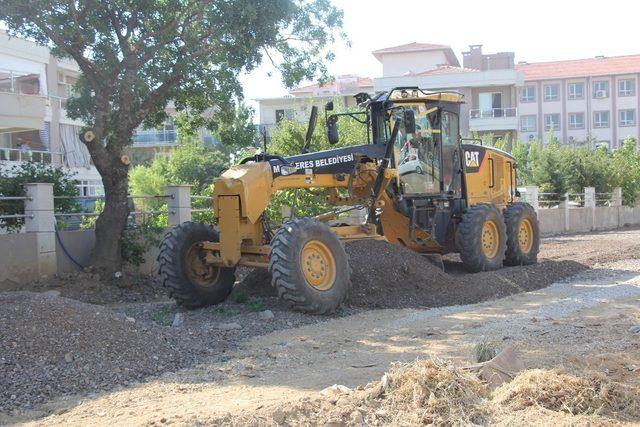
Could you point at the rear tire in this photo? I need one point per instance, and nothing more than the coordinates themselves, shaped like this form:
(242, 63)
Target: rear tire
(189, 281)
(523, 234)
(309, 266)
(481, 238)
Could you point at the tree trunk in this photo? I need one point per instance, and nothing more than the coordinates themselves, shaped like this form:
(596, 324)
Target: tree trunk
(113, 219)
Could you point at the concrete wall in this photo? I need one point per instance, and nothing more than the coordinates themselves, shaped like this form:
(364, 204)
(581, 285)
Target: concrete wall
(551, 221)
(19, 261)
(79, 244)
(582, 220)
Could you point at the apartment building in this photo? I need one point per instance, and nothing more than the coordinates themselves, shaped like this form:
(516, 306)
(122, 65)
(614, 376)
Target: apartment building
(34, 126)
(593, 99)
(487, 81)
(297, 104)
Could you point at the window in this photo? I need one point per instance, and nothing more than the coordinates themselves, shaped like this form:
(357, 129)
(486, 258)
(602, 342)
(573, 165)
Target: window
(626, 87)
(601, 89)
(450, 136)
(601, 119)
(528, 123)
(551, 121)
(551, 92)
(528, 94)
(284, 114)
(576, 120)
(627, 117)
(576, 90)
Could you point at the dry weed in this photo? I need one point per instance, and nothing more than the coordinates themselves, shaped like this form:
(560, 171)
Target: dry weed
(557, 390)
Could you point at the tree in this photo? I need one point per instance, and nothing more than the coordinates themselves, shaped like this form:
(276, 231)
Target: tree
(626, 171)
(137, 55)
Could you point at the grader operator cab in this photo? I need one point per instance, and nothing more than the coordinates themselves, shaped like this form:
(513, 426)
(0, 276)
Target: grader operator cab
(423, 188)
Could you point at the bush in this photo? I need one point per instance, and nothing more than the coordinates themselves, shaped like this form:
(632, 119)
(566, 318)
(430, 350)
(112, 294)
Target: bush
(12, 184)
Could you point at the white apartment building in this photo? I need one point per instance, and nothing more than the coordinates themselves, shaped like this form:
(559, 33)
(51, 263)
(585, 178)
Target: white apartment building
(34, 126)
(297, 104)
(594, 97)
(487, 81)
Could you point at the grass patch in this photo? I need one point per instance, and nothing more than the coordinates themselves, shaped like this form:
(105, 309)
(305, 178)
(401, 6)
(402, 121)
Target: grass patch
(242, 297)
(484, 351)
(255, 304)
(163, 316)
(225, 311)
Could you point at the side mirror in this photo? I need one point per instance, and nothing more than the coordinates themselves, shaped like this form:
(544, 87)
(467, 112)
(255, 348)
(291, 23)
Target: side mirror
(332, 130)
(328, 106)
(409, 121)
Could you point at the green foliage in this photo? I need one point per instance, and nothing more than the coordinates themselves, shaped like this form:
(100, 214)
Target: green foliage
(560, 169)
(138, 239)
(626, 171)
(287, 140)
(190, 163)
(242, 297)
(12, 184)
(163, 315)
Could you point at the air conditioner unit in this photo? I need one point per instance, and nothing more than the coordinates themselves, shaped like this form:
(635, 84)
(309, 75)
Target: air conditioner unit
(601, 94)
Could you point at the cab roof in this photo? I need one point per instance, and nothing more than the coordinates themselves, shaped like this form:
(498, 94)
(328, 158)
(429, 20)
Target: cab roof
(417, 94)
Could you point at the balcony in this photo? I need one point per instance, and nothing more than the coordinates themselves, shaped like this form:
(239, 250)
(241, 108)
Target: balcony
(491, 119)
(38, 156)
(20, 112)
(155, 138)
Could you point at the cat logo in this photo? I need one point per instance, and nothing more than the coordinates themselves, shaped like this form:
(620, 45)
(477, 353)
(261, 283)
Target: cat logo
(472, 159)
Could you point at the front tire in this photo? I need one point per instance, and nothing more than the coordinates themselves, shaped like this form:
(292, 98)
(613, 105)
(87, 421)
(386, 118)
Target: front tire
(523, 234)
(189, 281)
(481, 238)
(309, 266)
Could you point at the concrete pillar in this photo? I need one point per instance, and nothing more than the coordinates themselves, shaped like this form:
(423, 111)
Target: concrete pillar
(179, 204)
(590, 203)
(531, 197)
(616, 197)
(39, 220)
(567, 215)
(589, 197)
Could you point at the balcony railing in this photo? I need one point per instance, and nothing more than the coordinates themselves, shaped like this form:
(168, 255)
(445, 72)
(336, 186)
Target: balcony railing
(155, 137)
(38, 156)
(491, 113)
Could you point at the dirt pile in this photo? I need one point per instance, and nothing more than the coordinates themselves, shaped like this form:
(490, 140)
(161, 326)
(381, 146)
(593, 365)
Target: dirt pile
(390, 276)
(437, 393)
(54, 346)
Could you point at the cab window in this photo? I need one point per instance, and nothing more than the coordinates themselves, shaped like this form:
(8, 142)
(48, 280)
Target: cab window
(417, 154)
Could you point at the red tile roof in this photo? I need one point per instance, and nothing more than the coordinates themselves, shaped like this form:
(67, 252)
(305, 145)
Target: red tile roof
(362, 82)
(447, 69)
(581, 67)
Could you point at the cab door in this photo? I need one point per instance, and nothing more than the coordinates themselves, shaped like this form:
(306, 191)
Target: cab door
(450, 137)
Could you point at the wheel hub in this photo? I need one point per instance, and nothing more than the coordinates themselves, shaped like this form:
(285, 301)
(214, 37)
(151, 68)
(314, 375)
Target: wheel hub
(490, 239)
(525, 236)
(318, 265)
(201, 274)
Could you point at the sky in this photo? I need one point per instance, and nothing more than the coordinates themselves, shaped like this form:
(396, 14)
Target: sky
(545, 30)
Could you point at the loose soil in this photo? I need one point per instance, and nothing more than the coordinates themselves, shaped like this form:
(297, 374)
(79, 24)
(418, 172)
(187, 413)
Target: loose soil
(52, 347)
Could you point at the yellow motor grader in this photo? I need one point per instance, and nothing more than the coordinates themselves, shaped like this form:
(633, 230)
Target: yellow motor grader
(421, 185)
